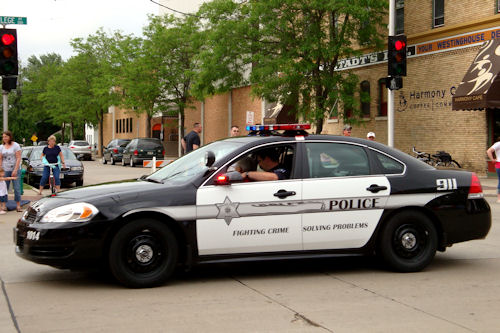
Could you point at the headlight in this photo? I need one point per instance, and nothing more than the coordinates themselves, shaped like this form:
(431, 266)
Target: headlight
(77, 212)
(76, 168)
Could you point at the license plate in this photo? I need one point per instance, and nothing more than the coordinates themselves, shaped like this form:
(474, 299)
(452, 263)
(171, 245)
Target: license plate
(150, 152)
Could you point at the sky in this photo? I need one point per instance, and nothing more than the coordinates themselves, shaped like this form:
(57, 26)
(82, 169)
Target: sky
(53, 23)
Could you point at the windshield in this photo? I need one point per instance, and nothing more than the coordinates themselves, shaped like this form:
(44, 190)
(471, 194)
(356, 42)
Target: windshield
(36, 154)
(193, 164)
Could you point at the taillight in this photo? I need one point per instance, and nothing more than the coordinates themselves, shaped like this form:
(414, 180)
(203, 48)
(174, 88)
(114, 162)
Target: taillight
(475, 189)
(115, 151)
(163, 152)
(136, 152)
(72, 147)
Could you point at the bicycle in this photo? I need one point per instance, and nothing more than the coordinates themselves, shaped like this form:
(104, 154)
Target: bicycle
(52, 180)
(424, 157)
(440, 159)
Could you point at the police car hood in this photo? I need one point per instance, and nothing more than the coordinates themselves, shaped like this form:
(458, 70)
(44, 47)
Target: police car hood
(121, 196)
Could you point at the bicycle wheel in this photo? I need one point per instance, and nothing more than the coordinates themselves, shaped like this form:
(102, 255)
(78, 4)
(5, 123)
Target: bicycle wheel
(454, 164)
(52, 184)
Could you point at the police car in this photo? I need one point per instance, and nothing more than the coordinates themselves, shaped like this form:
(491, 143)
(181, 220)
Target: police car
(339, 196)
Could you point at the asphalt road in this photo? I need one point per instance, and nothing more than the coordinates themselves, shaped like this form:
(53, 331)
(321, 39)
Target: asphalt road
(458, 292)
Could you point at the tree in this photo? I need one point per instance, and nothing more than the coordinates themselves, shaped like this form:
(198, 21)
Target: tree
(292, 48)
(162, 68)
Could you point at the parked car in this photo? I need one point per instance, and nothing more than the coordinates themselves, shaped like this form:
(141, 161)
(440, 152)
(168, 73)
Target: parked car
(42, 143)
(140, 149)
(113, 151)
(33, 165)
(82, 149)
(336, 196)
(25, 151)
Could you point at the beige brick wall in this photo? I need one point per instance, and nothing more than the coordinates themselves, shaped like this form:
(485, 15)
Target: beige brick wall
(418, 13)
(243, 101)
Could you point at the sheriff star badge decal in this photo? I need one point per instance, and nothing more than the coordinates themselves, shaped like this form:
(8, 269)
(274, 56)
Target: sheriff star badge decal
(228, 210)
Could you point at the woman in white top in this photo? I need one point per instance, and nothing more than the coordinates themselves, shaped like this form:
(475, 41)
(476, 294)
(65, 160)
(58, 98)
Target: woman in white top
(10, 160)
(495, 149)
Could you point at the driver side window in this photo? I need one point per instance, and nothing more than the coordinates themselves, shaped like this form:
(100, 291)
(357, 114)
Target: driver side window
(277, 159)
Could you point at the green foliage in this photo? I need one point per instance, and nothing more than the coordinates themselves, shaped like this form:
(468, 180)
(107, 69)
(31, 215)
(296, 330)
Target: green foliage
(292, 48)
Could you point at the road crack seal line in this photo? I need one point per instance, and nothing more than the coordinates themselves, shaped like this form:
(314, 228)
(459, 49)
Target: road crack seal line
(297, 315)
(399, 302)
(11, 310)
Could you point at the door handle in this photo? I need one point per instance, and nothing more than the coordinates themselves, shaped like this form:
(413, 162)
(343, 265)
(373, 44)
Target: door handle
(282, 194)
(375, 188)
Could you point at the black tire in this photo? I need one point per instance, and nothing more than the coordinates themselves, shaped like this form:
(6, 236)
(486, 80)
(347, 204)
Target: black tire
(143, 254)
(111, 160)
(408, 241)
(79, 183)
(104, 160)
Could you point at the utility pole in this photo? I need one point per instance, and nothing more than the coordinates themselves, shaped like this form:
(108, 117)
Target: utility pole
(390, 92)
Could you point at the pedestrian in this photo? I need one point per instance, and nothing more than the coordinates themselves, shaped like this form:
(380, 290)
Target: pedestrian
(347, 130)
(370, 136)
(192, 140)
(10, 161)
(52, 154)
(235, 130)
(4, 194)
(494, 155)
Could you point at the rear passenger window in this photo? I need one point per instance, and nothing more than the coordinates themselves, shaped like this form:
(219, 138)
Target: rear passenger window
(336, 160)
(389, 165)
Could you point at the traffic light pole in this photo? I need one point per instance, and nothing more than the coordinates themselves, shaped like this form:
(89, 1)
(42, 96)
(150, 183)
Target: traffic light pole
(5, 103)
(390, 92)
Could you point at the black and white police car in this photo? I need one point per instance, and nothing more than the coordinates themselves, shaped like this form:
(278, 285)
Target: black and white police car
(342, 196)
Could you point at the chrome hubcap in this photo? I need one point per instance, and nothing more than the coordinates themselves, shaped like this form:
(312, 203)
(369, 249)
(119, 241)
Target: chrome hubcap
(408, 240)
(144, 253)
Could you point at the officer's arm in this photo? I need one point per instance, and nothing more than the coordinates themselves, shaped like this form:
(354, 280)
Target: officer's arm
(260, 175)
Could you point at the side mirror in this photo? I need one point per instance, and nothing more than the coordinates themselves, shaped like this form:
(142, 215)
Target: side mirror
(209, 158)
(228, 178)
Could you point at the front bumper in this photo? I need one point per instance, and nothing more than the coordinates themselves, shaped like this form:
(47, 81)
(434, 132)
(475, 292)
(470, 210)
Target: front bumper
(68, 245)
(68, 177)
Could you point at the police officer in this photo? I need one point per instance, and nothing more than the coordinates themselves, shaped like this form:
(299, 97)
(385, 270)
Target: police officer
(268, 161)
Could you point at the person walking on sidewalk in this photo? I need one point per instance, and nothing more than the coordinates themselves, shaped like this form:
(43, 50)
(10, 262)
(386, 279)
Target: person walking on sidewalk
(10, 161)
(494, 155)
(192, 140)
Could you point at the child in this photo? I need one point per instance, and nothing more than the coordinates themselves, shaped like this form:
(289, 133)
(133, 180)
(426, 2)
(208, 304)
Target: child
(3, 191)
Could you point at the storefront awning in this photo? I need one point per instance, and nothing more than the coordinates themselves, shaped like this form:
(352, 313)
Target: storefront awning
(480, 87)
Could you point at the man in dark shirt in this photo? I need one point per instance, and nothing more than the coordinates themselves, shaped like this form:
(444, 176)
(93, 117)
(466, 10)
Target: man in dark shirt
(192, 140)
(268, 161)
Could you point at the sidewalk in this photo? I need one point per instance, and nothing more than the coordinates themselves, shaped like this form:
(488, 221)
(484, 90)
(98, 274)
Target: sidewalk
(489, 186)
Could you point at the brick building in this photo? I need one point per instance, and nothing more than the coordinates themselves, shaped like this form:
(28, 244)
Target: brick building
(443, 40)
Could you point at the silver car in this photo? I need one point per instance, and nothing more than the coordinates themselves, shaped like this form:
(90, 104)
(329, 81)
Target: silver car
(81, 149)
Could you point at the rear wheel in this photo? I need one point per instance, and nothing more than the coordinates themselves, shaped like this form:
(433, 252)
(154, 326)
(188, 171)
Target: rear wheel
(143, 254)
(408, 242)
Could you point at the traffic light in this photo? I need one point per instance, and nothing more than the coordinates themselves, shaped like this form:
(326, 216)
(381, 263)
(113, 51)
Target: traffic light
(8, 52)
(397, 55)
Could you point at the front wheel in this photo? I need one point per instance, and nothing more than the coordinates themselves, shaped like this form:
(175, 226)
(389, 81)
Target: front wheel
(143, 254)
(408, 242)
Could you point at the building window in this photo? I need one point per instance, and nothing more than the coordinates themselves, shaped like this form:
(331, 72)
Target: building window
(116, 126)
(382, 98)
(400, 17)
(438, 12)
(131, 127)
(126, 125)
(365, 99)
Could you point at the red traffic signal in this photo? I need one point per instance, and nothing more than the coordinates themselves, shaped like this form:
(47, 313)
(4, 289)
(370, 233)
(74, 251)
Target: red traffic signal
(396, 54)
(8, 52)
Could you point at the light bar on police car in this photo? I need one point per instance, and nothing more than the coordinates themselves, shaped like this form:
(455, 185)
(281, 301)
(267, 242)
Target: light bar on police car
(278, 127)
